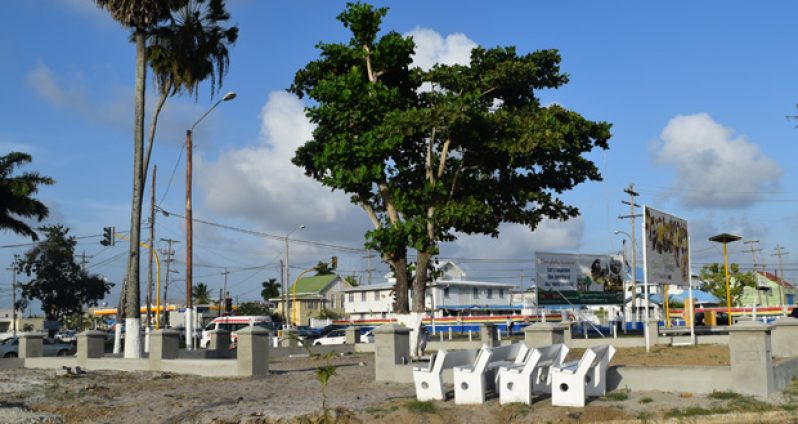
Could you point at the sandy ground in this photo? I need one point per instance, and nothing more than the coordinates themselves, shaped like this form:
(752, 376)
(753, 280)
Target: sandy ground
(293, 394)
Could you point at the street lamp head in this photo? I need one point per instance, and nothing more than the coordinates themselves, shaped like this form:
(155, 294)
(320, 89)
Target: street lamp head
(229, 96)
(302, 226)
(616, 232)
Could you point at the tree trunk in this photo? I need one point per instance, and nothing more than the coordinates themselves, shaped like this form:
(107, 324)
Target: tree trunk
(420, 282)
(401, 304)
(132, 298)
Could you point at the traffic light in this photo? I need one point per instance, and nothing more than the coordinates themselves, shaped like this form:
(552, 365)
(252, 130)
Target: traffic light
(228, 305)
(108, 236)
(334, 262)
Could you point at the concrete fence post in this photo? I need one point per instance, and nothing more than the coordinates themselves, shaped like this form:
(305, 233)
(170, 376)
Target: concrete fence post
(751, 358)
(784, 337)
(91, 344)
(566, 331)
(543, 334)
(487, 335)
(652, 326)
(219, 343)
(164, 344)
(30, 345)
(253, 351)
(351, 335)
(392, 348)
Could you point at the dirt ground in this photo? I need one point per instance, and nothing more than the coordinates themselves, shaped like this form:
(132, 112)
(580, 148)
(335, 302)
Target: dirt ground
(292, 394)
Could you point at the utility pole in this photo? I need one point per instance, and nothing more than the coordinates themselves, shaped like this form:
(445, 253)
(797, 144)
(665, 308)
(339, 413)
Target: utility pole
(753, 250)
(13, 270)
(83, 261)
(780, 252)
(632, 215)
(285, 292)
(152, 245)
(168, 253)
(225, 273)
(368, 265)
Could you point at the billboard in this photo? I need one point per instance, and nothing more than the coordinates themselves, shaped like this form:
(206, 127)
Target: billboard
(581, 279)
(666, 248)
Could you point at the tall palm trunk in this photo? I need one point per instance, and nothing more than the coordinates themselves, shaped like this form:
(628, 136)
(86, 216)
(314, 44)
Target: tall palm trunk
(420, 282)
(132, 298)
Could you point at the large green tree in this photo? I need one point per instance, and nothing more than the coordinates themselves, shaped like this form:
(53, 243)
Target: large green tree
(714, 278)
(141, 17)
(473, 149)
(355, 86)
(16, 195)
(59, 283)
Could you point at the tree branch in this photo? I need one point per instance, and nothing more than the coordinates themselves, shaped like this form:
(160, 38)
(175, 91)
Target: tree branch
(371, 214)
(444, 155)
(393, 216)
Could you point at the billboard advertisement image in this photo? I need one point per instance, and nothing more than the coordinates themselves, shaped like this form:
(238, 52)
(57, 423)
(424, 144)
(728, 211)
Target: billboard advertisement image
(578, 279)
(666, 248)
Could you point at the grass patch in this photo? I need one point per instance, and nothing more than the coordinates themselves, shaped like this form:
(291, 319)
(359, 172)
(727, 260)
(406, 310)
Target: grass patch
(421, 407)
(645, 400)
(644, 416)
(617, 396)
(729, 395)
(691, 411)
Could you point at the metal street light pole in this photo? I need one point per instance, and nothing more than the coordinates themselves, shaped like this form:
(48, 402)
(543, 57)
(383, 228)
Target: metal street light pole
(189, 221)
(286, 305)
(726, 238)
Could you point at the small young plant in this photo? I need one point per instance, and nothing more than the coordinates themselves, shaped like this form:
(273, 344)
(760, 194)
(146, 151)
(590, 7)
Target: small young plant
(323, 372)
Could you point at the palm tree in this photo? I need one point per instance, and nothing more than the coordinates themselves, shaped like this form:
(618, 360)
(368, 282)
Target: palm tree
(270, 290)
(201, 294)
(192, 48)
(140, 16)
(15, 195)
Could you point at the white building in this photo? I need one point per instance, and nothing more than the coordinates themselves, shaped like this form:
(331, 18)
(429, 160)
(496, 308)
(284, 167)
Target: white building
(450, 294)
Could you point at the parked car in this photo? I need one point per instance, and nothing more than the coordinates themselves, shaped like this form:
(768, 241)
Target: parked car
(327, 329)
(307, 332)
(233, 324)
(335, 337)
(9, 348)
(68, 336)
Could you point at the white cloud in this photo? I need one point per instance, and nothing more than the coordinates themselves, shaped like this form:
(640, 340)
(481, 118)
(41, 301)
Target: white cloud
(714, 168)
(261, 183)
(432, 48)
(516, 241)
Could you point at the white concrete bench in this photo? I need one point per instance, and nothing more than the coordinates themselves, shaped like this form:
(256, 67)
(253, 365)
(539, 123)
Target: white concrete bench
(573, 382)
(517, 383)
(470, 382)
(429, 380)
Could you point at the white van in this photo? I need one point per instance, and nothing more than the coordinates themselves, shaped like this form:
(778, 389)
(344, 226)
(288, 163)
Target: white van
(233, 324)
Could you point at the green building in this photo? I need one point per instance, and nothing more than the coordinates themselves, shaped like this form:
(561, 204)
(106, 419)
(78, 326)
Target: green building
(770, 291)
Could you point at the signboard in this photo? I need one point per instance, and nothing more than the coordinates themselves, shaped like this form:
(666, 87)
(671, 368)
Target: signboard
(52, 325)
(578, 279)
(666, 248)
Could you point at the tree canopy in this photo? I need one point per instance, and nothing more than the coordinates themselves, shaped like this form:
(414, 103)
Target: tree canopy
(428, 155)
(714, 278)
(16, 193)
(58, 281)
(270, 289)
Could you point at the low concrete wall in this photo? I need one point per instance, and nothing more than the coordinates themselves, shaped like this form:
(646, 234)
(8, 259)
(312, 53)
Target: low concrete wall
(11, 363)
(48, 362)
(670, 379)
(622, 342)
(201, 367)
(784, 371)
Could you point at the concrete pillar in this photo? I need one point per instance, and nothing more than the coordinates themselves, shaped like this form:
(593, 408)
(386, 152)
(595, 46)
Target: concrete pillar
(351, 335)
(290, 339)
(487, 334)
(91, 344)
(784, 337)
(30, 345)
(543, 334)
(253, 351)
(566, 331)
(652, 326)
(392, 348)
(751, 358)
(164, 344)
(220, 341)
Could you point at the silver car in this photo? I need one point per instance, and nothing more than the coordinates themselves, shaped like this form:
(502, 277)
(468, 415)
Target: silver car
(9, 348)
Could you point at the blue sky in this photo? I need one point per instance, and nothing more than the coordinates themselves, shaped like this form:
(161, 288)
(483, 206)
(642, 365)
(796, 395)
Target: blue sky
(697, 93)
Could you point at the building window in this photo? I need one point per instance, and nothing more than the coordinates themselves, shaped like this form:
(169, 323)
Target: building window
(490, 293)
(343, 296)
(446, 292)
(476, 293)
(363, 296)
(351, 297)
(501, 293)
(376, 295)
